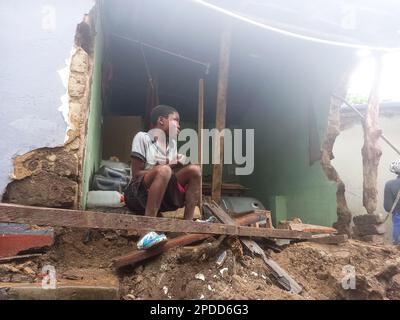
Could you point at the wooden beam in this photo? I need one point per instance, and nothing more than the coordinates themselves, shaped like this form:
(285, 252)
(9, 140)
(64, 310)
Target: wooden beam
(223, 74)
(100, 220)
(140, 255)
(200, 137)
(336, 239)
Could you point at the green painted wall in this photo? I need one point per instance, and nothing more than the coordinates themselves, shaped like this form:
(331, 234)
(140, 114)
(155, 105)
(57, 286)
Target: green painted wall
(283, 179)
(93, 150)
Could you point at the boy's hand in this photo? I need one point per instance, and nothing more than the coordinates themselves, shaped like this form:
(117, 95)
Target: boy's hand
(179, 161)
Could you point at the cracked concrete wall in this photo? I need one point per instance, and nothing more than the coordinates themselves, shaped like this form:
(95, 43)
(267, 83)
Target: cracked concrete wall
(33, 127)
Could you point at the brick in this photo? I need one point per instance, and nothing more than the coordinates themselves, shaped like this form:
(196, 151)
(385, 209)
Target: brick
(373, 238)
(368, 219)
(369, 229)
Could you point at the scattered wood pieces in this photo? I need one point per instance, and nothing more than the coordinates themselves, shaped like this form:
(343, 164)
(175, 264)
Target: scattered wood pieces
(140, 255)
(281, 276)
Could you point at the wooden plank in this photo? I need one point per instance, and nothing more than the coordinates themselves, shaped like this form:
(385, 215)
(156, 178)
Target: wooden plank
(311, 228)
(223, 73)
(200, 137)
(181, 241)
(250, 218)
(265, 213)
(140, 255)
(21, 257)
(99, 220)
(336, 239)
(219, 213)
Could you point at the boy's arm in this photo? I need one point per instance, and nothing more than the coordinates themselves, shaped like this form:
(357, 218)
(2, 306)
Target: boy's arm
(137, 167)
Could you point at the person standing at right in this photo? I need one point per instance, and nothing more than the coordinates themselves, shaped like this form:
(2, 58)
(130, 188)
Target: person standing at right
(391, 200)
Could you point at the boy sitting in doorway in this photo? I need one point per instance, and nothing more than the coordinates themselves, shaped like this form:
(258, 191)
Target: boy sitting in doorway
(157, 185)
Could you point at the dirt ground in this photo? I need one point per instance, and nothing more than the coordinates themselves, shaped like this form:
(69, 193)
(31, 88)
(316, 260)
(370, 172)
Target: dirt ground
(185, 273)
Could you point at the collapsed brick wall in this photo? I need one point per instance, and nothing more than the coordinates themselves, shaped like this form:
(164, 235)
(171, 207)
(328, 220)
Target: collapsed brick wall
(51, 177)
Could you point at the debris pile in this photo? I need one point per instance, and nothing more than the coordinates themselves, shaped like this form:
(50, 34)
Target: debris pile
(300, 262)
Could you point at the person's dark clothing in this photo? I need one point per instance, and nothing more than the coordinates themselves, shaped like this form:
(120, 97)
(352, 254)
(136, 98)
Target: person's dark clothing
(392, 188)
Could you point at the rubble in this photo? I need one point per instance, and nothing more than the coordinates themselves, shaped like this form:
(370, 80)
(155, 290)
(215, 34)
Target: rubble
(318, 268)
(336, 268)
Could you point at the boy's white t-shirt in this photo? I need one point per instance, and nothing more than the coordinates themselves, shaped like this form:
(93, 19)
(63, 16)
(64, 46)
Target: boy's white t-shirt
(145, 148)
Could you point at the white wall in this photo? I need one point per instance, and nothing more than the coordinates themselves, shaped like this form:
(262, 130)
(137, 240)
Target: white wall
(36, 38)
(348, 162)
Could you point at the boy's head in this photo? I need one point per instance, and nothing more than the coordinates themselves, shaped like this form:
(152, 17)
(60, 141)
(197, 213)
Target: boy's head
(165, 118)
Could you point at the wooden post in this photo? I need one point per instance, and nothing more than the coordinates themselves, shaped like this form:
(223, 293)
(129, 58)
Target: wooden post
(223, 74)
(371, 152)
(200, 137)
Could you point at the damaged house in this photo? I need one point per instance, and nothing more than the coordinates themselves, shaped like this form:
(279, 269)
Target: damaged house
(79, 79)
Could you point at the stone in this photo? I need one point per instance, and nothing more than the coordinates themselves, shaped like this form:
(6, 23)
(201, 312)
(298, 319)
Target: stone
(52, 158)
(369, 229)
(45, 190)
(369, 219)
(373, 238)
(56, 160)
(80, 61)
(77, 85)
